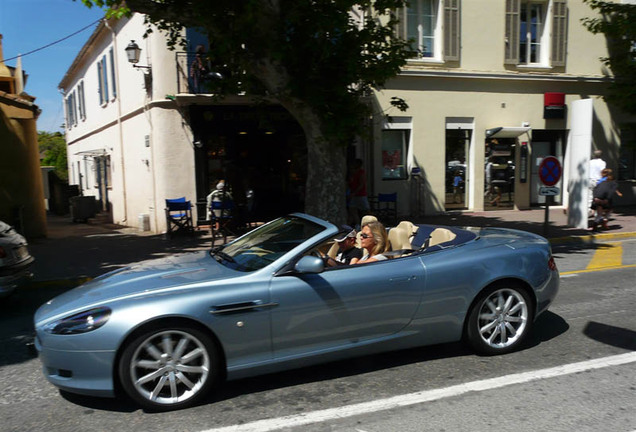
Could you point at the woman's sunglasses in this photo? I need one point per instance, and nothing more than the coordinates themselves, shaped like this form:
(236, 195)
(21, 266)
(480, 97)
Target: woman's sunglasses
(365, 236)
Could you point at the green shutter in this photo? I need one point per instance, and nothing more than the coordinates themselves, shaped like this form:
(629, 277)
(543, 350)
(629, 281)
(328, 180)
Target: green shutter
(511, 52)
(452, 30)
(559, 32)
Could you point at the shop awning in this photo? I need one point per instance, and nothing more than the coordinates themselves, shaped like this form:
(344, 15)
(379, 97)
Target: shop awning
(506, 132)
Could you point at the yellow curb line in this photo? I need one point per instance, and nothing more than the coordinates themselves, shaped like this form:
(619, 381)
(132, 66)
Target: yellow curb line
(592, 237)
(597, 269)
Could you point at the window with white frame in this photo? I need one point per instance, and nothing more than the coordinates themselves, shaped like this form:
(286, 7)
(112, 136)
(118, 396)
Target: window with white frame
(432, 27)
(536, 32)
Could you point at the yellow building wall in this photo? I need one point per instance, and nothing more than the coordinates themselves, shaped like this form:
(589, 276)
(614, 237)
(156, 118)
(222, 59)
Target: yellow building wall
(21, 190)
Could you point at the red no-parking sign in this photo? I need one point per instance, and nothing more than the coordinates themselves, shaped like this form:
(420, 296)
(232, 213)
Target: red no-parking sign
(550, 171)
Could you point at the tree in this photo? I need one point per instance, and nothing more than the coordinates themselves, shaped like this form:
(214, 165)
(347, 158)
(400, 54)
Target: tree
(319, 59)
(617, 21)
(54, 147)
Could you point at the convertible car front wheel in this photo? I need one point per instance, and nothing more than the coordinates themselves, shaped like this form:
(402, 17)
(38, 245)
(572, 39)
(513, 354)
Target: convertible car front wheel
(499, 320)
(168, 368)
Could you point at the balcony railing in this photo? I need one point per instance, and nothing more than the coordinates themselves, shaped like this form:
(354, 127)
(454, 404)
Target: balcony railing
(191, 79)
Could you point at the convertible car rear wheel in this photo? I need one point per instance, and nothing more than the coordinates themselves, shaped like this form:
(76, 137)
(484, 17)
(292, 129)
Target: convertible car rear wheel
(169, 368)
(500, 320)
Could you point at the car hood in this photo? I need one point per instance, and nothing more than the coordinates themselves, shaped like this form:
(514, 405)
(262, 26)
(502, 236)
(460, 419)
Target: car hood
(141, 279)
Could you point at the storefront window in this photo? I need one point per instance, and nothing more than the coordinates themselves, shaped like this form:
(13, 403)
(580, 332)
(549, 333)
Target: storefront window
(394, 149)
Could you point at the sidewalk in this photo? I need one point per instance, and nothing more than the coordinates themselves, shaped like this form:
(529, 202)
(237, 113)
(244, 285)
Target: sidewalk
(74, 252)
(622, 223)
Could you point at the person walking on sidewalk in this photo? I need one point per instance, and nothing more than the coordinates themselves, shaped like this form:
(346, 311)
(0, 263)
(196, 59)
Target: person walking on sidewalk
(602, 201)
(597, 165)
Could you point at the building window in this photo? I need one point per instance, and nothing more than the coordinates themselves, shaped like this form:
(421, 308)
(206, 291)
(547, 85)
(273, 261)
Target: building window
(433, 28)
(71, 109)
(394, 152)
(536, 32)
(531, 19)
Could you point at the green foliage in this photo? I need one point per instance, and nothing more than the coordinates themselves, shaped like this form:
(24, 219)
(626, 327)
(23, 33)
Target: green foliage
(306, 54)
(617, 21)
(54, 147)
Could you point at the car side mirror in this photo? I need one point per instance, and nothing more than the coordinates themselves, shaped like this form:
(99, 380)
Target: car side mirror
(309, 264)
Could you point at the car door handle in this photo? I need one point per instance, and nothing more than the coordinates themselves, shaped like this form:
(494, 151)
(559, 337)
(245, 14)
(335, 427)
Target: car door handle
(240, 307)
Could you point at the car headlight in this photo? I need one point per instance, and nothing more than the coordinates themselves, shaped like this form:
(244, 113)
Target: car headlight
(82, 322)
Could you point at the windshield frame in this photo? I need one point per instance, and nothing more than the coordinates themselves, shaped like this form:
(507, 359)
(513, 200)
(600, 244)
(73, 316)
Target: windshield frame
(275, 241)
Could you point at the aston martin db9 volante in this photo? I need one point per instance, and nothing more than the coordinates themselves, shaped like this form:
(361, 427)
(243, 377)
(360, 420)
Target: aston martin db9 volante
(167, 331)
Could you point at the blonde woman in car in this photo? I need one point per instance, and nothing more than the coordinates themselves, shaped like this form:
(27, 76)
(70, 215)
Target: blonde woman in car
(375, 240)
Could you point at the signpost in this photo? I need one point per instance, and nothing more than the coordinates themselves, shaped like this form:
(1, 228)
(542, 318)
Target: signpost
(549, 174)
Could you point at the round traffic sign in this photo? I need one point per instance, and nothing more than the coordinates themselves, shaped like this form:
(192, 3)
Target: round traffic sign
(550, 171)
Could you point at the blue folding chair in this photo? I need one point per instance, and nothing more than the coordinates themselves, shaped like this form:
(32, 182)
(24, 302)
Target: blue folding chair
(178, 216)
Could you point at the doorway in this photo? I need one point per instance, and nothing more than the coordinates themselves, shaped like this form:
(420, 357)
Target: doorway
(457, 168)
(499, 173)
(102, 171)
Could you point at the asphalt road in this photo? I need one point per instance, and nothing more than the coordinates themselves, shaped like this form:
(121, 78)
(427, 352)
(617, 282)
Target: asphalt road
(592, 319)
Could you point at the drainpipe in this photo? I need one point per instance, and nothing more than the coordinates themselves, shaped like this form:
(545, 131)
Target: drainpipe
(119, 125)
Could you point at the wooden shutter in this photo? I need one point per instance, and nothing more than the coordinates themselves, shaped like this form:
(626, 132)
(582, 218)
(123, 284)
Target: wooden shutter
(99, 82)
(511, 52)
(401, 27)
(452, 30)
(559, 32)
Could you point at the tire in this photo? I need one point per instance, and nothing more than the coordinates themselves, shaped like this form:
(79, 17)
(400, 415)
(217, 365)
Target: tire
(499, 320)
(169, 367)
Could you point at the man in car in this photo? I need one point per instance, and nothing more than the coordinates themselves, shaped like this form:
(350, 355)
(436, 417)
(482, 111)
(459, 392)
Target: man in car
(347, 249)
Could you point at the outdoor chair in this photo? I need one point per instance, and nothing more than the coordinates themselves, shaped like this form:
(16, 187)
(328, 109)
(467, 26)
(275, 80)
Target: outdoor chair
(178, 216)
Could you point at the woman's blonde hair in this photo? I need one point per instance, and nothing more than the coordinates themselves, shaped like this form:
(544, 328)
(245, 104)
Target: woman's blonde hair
(380, 236)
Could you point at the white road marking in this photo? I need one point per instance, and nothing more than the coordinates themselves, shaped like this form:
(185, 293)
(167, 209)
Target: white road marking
(425, 396)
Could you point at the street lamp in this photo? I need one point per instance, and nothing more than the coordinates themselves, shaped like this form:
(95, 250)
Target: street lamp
(132, 52)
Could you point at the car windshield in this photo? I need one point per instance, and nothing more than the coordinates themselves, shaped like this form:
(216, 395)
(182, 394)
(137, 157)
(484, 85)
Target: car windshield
(266, 244)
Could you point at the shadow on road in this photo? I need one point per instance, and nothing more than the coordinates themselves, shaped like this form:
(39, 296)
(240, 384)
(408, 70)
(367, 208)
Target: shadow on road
(615, 336)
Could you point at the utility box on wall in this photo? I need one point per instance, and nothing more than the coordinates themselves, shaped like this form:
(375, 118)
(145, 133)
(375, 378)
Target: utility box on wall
(554, 105)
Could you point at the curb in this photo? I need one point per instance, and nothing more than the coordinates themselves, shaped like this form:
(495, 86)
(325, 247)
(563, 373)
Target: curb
(592, 238)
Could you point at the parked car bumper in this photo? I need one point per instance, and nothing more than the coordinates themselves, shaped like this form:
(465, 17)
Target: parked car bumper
(14, 276)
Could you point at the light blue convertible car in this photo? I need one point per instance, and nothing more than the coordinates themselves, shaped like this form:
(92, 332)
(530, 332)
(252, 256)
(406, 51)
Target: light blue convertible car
(167, 331)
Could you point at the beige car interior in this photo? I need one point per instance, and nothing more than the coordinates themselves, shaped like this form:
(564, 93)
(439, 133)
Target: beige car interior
(400, 238)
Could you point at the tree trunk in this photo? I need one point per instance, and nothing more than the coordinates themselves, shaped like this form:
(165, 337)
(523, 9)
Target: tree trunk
(325, 186)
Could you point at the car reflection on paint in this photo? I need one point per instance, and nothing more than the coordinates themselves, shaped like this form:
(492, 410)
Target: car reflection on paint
(167, 331)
